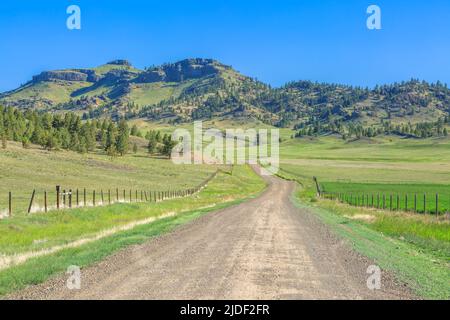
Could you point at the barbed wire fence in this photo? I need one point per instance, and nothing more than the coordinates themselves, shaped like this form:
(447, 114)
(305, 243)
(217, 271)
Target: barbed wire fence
(64, 198)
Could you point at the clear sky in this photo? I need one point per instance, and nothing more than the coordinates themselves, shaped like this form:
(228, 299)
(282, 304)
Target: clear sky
(274, 41)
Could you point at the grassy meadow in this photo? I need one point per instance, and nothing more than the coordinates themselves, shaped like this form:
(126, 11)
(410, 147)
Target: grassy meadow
(385, 166)
(22, 170)
(37, 232)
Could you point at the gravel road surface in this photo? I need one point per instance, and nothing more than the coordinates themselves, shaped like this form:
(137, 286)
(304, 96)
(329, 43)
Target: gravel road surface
(265, 248)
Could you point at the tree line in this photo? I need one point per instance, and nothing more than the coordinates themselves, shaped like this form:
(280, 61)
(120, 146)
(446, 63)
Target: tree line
(357, 130)
(69, 131)
(63, 131)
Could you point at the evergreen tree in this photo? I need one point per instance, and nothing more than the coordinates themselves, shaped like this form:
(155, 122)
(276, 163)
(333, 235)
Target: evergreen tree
(152, 144)
(167, 146)
(4, 142)
(134, 130)
(122, 138)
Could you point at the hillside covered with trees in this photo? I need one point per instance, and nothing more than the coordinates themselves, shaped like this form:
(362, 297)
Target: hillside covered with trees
(195, 89)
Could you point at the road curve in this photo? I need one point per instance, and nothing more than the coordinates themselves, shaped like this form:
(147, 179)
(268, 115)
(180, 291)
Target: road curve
(265, 248)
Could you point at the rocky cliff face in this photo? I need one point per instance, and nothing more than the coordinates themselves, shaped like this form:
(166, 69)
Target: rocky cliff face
(175, 72)
(120, 62)
(67, 75)
(183, 70)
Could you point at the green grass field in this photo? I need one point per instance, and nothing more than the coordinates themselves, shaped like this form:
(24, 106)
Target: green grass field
(23, 234)
(412, 197)
(56, 91)
(44, 230)
(384, 165)
(22, 170)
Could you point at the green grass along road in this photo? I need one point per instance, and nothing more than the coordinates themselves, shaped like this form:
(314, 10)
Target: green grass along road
(22, 234)
(416, 248)
(421, 269)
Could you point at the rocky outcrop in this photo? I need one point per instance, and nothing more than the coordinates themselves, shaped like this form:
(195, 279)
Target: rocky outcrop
(183, 70)
(118, 75)
(67, 75)
(120, 62)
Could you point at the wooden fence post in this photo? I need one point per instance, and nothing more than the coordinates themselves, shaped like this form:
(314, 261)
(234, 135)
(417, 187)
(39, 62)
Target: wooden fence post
(31, 201)
(78, 198)
(70, 198)
(64, 198)
(425, 203)
(415, 203)
(319, 192)
(45, 201)
(58, 188)
(84, 197)
(93, 198)
(437, 204)
(10, 204)
(406, 202)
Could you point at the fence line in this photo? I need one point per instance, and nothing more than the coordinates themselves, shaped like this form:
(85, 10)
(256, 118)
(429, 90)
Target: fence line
(391, 201)
(72, 198)
(418, 203)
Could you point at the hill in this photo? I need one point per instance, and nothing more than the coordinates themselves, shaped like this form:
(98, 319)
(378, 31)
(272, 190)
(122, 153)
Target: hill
(206, 89)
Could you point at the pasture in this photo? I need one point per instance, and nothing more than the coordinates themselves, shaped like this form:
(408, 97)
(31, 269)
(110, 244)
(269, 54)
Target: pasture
(25, 170)
(385, 166)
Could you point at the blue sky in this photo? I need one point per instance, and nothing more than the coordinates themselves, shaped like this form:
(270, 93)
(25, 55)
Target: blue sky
(274, 41)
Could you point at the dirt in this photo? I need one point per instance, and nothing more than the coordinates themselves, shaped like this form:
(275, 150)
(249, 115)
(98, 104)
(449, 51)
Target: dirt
(265, 248)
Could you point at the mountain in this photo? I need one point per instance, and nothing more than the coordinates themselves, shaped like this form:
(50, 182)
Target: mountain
(204, 88)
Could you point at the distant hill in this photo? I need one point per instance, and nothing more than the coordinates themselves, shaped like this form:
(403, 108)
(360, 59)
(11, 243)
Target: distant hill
(204, 88)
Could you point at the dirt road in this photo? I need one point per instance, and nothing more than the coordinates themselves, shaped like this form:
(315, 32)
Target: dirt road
(265, 248)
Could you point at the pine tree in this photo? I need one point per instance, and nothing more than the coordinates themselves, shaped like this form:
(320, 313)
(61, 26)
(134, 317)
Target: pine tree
(134, 130)
(110, 137)
(122, 138)
(4, 142)
(167, 146)
(25, 142)
(152, 144)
